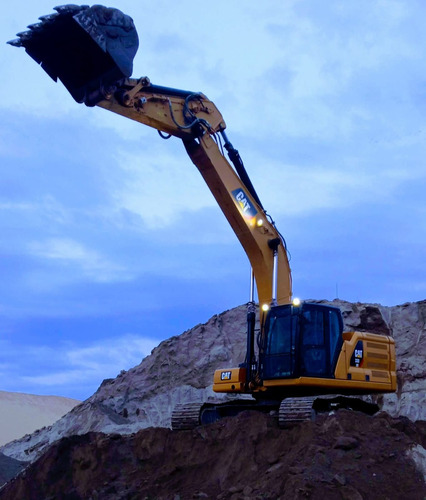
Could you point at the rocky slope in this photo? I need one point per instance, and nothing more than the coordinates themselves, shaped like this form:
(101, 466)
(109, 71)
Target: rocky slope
(181, 369)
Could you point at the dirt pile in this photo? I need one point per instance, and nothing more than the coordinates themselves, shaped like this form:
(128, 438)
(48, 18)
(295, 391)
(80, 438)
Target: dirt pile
(345, 455)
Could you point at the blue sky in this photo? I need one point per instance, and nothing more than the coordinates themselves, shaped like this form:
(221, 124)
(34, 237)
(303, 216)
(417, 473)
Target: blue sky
(111, 242)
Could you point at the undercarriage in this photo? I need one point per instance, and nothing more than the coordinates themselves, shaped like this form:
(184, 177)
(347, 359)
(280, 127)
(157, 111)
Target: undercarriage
(289, 411)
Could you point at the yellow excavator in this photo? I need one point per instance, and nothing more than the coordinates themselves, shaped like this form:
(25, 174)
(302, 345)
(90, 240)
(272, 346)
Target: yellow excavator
(300, 361)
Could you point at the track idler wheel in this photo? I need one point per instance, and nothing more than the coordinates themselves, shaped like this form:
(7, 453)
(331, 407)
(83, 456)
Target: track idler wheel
(295, 410)
(186, 416)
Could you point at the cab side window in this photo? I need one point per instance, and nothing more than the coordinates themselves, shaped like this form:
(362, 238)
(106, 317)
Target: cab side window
(313, 321)
(335, 333)
(314, 354)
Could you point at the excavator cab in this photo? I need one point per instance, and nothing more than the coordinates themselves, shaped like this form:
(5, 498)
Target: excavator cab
(90, 49)
(300, 341)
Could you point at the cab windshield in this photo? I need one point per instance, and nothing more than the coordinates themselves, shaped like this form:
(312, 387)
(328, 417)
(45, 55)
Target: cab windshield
(280, 334)
(301, 341)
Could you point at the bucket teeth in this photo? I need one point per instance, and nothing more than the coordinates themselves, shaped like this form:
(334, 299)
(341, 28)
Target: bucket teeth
(24, 35)
(69, 9)
(48, 17)
(35, 26)
(16, 42)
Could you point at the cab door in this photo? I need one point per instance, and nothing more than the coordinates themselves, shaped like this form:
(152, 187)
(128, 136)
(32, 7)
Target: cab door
(278, 360)
(313, 351)
(320, 340)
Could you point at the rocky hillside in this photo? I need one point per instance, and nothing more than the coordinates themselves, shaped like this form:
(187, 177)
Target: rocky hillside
(180, 369)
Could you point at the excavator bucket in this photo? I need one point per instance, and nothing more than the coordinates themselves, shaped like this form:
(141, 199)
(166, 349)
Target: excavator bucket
(90, 49)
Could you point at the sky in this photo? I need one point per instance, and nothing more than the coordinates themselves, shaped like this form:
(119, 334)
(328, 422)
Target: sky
(111, 242)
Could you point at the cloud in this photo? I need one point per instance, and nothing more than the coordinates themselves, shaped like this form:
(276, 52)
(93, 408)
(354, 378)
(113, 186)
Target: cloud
(123, 352)
(74, 254)
(63, 249)
(159, 184)
(16, 207)
(327, 72)
(74, 371)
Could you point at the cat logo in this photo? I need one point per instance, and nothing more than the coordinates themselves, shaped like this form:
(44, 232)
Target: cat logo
(246, 207)
(225, 376)
(358, 355)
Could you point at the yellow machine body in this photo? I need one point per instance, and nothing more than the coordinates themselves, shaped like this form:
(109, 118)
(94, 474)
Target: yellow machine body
(367, 370)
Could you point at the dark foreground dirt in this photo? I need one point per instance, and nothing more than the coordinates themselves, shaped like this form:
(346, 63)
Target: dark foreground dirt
(9, 468)
(346, 456)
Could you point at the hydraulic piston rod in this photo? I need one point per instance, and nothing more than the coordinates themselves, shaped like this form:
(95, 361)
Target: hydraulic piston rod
(273, 245)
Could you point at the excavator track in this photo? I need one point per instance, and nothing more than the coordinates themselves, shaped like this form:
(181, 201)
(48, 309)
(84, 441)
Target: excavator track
(190, 415)
(291, 411)
(300, 409)
(295, 410)
(186, 416)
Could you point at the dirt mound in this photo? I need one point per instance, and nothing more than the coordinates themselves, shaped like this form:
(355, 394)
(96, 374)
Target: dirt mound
(346, 455)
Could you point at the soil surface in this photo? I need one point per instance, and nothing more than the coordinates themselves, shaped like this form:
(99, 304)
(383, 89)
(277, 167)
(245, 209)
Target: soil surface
(345, 455)
(9, 468)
